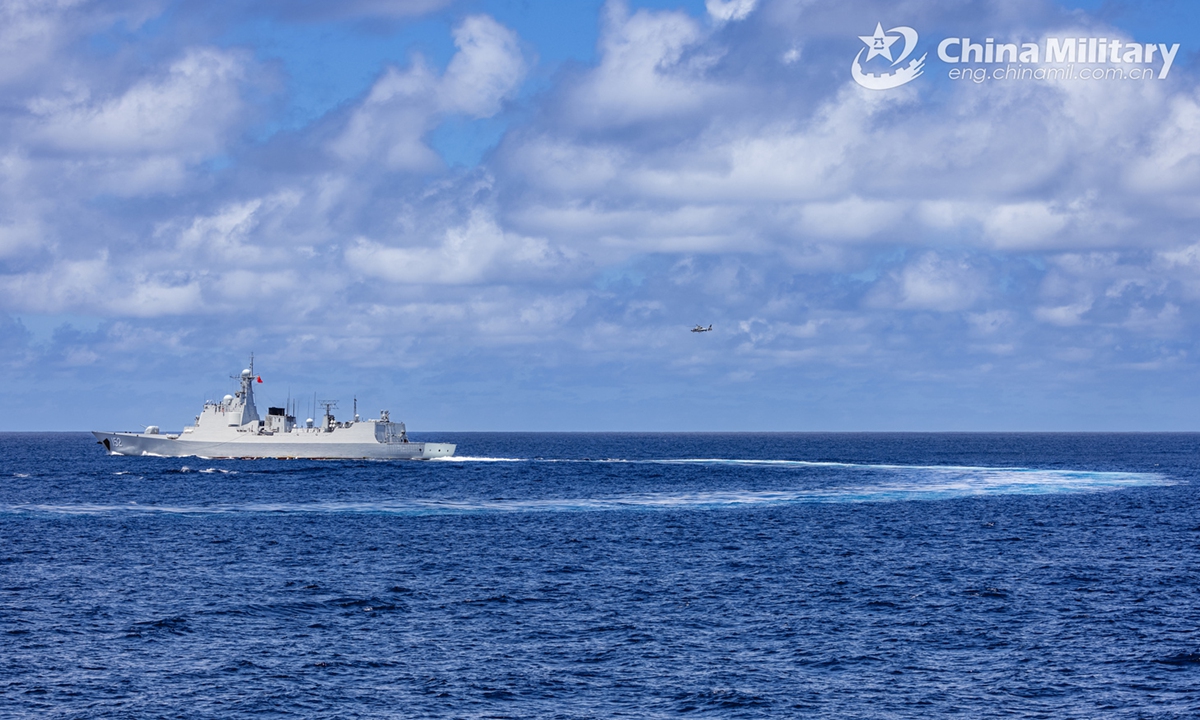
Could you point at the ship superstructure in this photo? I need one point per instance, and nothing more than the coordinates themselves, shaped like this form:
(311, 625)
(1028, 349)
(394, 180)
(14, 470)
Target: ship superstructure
(232, 428)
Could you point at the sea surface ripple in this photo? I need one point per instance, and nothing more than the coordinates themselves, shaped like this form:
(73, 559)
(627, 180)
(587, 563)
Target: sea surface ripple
(594, 575)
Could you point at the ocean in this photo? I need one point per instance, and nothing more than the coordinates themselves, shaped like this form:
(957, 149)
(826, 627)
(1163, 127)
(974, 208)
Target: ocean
(581, 575)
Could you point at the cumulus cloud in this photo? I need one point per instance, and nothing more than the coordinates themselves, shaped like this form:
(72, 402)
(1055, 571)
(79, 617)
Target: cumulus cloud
(37, 35)
(30, 34)
(402, 106)
(1027, 224)
(852, 217)
(485, 71)
(645, 71)
(188, 110)
(390, 125)
(1063, 315)
(94, 285)
(148, 137)
(1172, 159)
(727, 10)
(931, 282)
(858, 164)
(472, 253)
(720, 167)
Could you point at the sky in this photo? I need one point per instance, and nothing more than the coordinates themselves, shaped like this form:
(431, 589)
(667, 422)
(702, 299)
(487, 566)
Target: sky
(508, 214)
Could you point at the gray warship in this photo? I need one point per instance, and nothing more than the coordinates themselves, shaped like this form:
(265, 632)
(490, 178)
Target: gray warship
(232, 429)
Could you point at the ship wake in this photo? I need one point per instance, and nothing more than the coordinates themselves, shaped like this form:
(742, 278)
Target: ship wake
(894, 483)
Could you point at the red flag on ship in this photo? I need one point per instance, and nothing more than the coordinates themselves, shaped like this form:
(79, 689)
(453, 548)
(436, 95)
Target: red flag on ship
(259, 378)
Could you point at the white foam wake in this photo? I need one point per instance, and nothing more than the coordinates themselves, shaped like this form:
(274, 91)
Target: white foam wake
(469, 458)
(908, 483)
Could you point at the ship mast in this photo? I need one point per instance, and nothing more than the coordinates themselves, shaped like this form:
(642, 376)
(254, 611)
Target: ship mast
(246, 395)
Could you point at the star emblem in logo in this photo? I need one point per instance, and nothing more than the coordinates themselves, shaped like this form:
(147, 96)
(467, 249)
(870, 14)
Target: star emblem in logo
(879, 43)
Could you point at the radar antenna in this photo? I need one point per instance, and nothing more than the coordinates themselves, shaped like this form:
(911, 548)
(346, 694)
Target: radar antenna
(330, 405)
(242, 376)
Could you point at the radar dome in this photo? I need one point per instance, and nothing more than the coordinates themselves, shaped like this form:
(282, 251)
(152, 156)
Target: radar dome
(246, 373)
(227, 399)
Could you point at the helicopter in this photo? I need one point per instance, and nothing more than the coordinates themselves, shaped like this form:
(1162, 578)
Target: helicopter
(701, 328)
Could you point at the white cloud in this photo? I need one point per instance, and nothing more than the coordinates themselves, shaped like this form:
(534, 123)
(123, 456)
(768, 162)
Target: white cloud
(619, 233)
(1023, 225)
(188, 110)
(931, 282)
(390, 125)
(1115, 290)
(1063, 315)
(22, 227)
(853, 217)
(472, 253)
(19, 237)
(641, 75)
(224, 234)
(30, 34)
(968, 168)
(764, 331)
(1171, 161)
(148, 136)
(758, 161)
(150, 297)
(35, 35)
(95, 286)
(486, 70)
(551, 312)
(1166, 321)
(701, 168)
(729, 10)
(566, 167)
(1184, 257)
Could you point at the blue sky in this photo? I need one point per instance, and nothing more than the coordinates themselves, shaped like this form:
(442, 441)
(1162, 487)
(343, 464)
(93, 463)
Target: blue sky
(506, 215)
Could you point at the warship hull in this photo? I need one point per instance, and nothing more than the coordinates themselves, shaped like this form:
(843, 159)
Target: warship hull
(140, 444)
(232, 428)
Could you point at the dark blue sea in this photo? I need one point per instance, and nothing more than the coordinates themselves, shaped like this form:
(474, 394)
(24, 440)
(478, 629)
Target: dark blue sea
(606, 575)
